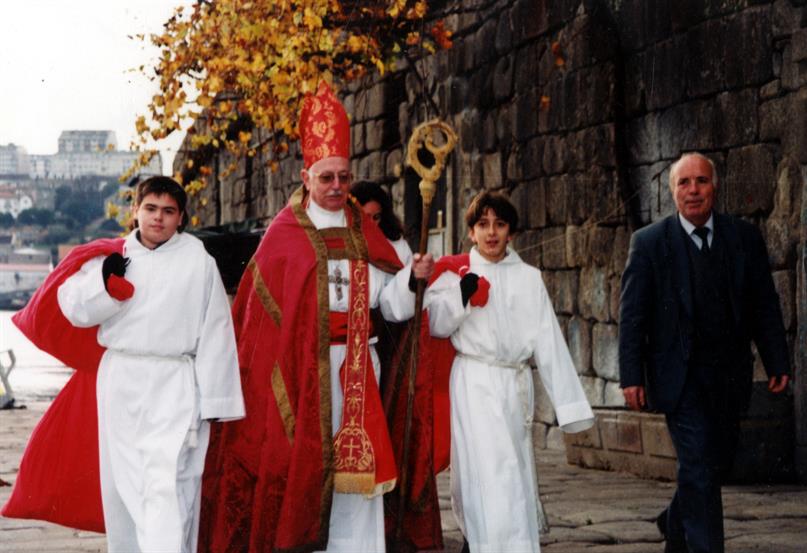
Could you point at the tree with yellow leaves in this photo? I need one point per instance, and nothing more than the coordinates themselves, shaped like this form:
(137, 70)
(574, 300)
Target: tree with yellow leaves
(233, 66)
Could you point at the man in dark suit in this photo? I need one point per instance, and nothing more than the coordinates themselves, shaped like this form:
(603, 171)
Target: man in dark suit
(696, 290)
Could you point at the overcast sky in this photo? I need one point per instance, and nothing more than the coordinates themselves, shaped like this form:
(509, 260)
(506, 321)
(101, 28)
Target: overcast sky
(64, 65)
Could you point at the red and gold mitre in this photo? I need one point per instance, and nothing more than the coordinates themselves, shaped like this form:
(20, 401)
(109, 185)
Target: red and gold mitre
(324, 127)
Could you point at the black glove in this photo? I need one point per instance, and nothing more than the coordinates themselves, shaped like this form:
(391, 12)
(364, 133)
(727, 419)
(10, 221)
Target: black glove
(413, 282)
(114, 264)
(468, 285)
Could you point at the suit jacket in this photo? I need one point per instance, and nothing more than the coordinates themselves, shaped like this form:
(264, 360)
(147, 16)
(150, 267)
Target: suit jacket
(657, 312)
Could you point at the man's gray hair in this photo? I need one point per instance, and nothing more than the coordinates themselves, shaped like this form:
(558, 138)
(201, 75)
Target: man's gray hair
(674, 167)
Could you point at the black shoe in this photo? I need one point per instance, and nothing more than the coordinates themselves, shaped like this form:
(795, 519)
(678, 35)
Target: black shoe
(465, 547)
(661, 523)
(670, 545)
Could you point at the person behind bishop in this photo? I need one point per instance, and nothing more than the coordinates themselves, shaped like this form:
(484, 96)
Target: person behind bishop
(307, 469)
(696, 290)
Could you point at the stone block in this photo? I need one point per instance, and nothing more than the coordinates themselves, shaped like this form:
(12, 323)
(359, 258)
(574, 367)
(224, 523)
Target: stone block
(798, 43)
(794, 142)
(470, 123)
(750, 180)
(480, 88)
(370, 102)
(469, 166)
(770, 90)
(737, 116)
(492, 170)
(528, 198)
(558, 198)
(539, 436)
(755, 65)
(619, 252)
(594, 296)
(357, 136)
(787, 198)
(526, 115)
(587, 438)
(372, 166)
(600, 244)
(656, 439)
(578, 333)
(630, 21)
(706, 71)
(686, 127)
(554, 161)
(533, 156)
(605, 351)
(594, 389)
(614, 291)
(553, 241)
(526, 73)
(528, 244)
(504, 33)
(785, 18)
(644, 145)
(482, 40)
(603, 196)
(554, 439)
(503, 119)
(794, 73)
(621, 433)
(634, 90)
(784, 281)
(374, 134)
(613, 396)
(544, 411)
(666, 63)
(576, 246)
(529, 19)
(503, 79)
(773, 118)
(564, 298)
(598, 145)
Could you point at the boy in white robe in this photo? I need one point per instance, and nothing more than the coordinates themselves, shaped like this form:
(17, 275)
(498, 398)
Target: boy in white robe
(169, 367)
(499, 316)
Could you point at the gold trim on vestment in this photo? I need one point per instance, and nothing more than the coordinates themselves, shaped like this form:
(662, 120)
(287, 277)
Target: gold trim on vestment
(283, 403)
(262, 291)
(324, 357)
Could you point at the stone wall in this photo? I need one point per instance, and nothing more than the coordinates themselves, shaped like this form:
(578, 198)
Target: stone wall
(577, 108)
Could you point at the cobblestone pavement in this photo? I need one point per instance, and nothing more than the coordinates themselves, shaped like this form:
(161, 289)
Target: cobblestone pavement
(589, 511)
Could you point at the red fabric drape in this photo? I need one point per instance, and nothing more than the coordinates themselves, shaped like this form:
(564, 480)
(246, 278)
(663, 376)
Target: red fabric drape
(59, 477)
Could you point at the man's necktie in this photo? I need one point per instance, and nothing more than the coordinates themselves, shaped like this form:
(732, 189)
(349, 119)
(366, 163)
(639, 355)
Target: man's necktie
(703, 233)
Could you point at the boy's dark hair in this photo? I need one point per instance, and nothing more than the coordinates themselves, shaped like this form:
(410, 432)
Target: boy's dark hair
(367, 191)
(159, 186)
(498, 202)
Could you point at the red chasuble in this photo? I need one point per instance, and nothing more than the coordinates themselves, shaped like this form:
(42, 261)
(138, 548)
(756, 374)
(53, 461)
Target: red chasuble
(269, 479)
(59, 478)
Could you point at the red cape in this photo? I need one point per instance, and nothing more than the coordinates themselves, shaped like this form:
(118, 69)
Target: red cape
(59, 477)
(268, 481)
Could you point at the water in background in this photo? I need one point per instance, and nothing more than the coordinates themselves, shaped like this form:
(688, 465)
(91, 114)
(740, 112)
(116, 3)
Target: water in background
(37, 376)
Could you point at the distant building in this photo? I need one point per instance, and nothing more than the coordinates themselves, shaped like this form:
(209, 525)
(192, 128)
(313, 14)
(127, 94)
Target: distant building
(14, 160)
(86, 141)
(15, 200)
(88, 153)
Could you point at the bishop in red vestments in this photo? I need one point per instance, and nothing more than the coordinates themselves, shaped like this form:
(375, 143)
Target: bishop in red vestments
(306, 469)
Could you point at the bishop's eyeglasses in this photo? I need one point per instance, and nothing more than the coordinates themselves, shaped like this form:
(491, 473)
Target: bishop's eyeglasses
(328, 177)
